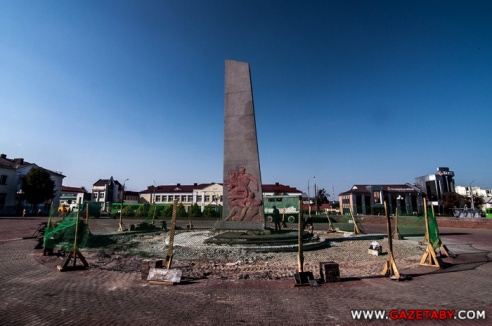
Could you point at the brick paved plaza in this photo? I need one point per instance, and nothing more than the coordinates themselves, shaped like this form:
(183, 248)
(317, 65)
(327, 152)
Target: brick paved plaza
(32, 293)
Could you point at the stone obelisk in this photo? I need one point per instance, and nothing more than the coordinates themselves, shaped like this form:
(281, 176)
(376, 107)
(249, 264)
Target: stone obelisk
(243, 195)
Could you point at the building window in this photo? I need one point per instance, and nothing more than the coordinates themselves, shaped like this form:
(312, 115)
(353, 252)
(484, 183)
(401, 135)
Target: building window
(158, 198)
(190, 198)
(198, 198)
(101, 195)
(183, 199)
(3, 179)
(95, 195)
(207, 198)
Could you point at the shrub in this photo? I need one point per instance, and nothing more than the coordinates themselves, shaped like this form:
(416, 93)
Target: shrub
(181, 211)
(128, 211)
(195, 211)
(167, 211)
(210, 211)
(143, 210)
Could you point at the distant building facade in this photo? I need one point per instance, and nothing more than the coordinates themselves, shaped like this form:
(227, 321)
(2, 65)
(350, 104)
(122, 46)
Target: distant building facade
(476, 191)
(11, 194)
(369, 199)
(106, 191)
(435, 186)
(131, 197)
(203, 194)
(402, 198)
(72, 196)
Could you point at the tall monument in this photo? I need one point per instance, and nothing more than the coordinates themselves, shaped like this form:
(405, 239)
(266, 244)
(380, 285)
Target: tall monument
(243, 195)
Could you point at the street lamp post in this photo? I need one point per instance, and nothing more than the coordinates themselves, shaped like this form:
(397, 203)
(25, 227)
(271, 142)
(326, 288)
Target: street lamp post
(122, 227)
(315, 197)
(471, 195)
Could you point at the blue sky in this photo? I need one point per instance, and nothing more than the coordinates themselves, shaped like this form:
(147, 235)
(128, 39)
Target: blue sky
(346, 92)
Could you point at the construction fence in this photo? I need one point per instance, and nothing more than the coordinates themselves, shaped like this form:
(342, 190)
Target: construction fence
(120, 231)
(196, 247)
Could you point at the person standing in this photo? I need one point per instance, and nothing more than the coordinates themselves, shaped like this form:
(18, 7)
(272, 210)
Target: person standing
(24, 213)
(276, 218)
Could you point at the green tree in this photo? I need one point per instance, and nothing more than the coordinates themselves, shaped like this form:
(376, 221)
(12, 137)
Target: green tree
(181, 211)
(452, 200)
(38, 187)
(153, 208)
(322, 197)
(159, 211)
(209, 211)
(167, 211)
(195, 211)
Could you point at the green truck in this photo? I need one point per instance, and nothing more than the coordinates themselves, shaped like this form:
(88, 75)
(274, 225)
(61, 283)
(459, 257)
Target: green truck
(288, 206)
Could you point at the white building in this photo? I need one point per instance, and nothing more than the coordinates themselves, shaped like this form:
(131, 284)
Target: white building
(476, 191)
(72, 196)
(201, 194)
(107, 191)
(11, 194)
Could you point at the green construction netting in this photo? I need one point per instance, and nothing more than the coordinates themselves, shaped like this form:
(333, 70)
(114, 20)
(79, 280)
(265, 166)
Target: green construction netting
(410, 225)
(346, 223)
(434, 237)
(60, 231)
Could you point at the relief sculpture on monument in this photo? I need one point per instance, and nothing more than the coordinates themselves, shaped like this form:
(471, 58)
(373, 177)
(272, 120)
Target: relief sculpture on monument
(244, 205)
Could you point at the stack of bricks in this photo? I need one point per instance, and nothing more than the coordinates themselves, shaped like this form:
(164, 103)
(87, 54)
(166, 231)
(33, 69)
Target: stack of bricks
(329, 272)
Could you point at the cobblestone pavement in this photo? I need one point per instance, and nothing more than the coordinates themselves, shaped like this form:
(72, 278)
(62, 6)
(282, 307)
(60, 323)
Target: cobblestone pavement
(32, 293)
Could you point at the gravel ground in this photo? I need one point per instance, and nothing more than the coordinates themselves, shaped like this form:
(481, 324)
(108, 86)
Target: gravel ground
(198, 261)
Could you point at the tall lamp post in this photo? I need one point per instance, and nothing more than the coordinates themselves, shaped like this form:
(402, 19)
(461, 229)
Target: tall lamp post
(471, 195)
(315, 197)
(122, 227)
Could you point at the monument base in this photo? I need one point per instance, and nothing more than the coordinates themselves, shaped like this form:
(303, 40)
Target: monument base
(262, 238)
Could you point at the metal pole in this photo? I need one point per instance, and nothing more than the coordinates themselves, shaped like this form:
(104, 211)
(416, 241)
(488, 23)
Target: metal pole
(309, 201)
(471, 195)
(315, 197)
